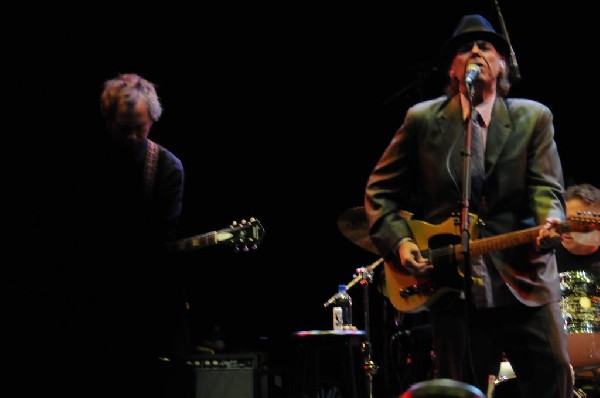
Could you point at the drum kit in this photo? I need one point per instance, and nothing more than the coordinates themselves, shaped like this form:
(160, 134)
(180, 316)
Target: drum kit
(580, 305)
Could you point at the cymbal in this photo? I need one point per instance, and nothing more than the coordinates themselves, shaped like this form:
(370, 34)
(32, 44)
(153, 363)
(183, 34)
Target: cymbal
(354, 226)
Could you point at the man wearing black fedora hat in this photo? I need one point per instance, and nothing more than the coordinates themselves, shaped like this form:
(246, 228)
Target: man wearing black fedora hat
(510, 307)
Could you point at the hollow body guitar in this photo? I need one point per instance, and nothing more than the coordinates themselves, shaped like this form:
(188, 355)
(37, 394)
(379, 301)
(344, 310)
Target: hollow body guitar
(440, 243)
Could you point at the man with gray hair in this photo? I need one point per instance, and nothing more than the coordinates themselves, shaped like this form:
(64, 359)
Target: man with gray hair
(510, 304)
(130, 318)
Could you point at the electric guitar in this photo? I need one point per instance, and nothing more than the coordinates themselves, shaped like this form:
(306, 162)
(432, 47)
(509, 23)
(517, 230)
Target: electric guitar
(440, 243)
(244, 236)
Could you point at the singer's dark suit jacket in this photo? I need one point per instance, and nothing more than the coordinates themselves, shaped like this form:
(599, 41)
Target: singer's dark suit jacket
(421, 171)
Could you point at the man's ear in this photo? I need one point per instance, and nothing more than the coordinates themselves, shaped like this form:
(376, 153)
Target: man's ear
(502, 65)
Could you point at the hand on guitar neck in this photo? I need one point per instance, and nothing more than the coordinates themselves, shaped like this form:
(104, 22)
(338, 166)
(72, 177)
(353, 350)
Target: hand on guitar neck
(549, 234)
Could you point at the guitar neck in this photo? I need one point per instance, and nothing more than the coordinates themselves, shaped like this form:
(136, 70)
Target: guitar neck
(195, 242)
(485, 245)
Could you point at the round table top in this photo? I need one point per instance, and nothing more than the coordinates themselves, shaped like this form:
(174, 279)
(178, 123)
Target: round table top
(330, 333)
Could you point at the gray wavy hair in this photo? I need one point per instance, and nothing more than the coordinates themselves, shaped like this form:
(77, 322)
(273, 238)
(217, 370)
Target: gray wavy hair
(586, 192)
(129, 88)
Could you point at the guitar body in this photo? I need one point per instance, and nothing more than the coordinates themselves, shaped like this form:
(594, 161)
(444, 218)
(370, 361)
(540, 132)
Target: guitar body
(410, 293)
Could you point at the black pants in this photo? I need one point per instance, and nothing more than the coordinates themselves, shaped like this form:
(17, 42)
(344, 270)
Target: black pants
(532, 339)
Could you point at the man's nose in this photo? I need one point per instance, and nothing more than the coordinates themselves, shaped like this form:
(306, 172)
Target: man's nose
(475, 48)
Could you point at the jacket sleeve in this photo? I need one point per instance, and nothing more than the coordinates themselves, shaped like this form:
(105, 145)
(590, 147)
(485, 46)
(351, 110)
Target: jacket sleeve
(386, 194)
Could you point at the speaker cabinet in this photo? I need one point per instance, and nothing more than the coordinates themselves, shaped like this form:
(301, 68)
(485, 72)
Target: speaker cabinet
(237, 383)
(229, 375)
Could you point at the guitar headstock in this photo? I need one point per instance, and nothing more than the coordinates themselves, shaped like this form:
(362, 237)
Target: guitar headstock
(585, 227)
(584, 221)
(243, 235)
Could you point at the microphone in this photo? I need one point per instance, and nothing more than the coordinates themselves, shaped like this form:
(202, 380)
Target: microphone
(473, 71)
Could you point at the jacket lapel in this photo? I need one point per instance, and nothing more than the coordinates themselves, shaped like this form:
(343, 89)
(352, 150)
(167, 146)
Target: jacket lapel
(452, 128)
(497, 134)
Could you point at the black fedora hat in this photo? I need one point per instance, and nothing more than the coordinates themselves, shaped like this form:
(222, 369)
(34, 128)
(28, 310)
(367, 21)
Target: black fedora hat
(473, 27)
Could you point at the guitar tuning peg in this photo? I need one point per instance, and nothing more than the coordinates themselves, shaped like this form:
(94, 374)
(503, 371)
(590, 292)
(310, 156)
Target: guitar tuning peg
(236, 249)
(246, 248)
(254, 246)
(252, 219)
(233, 224)
(243, 221)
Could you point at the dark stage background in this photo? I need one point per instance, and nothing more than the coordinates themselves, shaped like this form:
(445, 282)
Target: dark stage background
(277, 113)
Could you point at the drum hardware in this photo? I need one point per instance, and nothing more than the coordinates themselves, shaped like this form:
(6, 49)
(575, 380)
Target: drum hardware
(413, 358)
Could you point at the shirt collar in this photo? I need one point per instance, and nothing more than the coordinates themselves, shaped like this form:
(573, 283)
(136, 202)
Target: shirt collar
(484, 109)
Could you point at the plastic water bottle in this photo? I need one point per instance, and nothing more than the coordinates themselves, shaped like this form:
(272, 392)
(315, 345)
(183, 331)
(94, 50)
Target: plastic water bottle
(342, 309)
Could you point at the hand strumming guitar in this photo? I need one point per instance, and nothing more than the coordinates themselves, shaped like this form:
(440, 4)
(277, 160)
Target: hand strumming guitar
(411, 257)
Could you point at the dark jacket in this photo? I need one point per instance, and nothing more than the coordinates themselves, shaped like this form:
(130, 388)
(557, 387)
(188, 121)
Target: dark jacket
(421, 172)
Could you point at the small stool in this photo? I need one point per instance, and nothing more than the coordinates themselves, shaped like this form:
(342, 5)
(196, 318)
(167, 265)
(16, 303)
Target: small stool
(330, 359)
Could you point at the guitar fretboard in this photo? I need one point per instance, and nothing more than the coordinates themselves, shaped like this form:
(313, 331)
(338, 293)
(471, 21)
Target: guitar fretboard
(516, 238)
(194, 242)
(504, 241)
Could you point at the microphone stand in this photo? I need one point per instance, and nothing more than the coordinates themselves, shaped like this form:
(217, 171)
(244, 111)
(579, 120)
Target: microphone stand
(514, 71)
(364, 276)
(466, 224)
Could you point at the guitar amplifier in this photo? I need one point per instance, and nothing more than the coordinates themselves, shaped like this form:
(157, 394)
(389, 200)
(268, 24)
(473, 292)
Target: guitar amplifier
(229, 375)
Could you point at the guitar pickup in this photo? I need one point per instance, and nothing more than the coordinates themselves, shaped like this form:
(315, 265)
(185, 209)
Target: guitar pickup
(415, 290)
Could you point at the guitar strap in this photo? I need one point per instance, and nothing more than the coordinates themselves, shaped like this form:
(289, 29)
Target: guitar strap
(150, 167)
